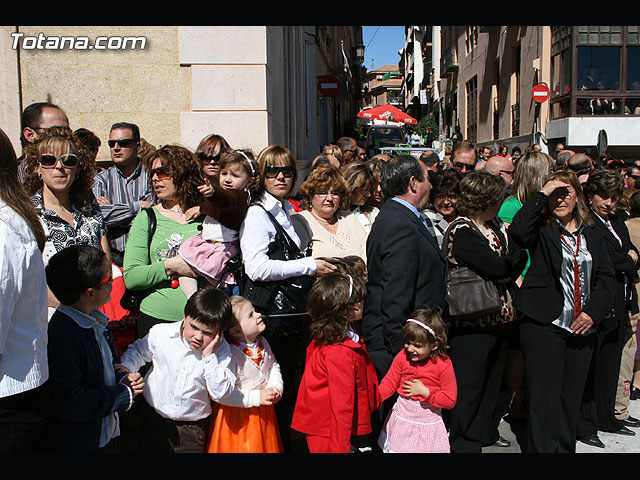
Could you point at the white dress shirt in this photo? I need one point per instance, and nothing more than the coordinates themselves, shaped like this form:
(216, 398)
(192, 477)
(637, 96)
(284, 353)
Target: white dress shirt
(180, 383)
(23, 307)
(256, 234)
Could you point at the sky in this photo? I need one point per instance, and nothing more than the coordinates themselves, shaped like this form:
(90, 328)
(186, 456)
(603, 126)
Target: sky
(382, 44)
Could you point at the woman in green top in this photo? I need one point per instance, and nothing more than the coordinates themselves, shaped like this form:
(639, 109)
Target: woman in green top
(531, 174)
(175, 177)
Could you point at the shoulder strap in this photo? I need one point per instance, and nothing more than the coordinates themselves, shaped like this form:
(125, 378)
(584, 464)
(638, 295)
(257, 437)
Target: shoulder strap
(445, 239)
(290, 243)
(151, 216)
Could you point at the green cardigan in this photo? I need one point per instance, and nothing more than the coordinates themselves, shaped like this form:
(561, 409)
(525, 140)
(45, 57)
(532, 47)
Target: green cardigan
(507, 211)
(143, 271)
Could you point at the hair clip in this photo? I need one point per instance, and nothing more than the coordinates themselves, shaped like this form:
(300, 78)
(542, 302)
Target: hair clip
(426, 327)
(253, 170)
(350, 286)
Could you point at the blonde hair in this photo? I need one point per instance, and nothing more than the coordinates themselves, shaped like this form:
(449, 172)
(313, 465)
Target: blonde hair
(273, 155)
(531, 174)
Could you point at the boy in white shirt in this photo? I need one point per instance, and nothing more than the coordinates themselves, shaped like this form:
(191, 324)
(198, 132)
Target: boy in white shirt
(189, 367)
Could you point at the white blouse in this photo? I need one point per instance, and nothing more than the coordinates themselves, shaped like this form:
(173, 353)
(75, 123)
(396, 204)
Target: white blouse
(23, 307)
(256, 234)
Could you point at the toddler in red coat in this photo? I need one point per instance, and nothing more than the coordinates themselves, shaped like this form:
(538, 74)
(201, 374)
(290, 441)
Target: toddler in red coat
(423, 376)
(339, 388)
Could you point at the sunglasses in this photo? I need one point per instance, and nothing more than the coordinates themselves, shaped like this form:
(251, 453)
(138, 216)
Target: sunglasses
(273, 171)
(48, 160)
(124, 143)
(162, 173)
(108, 279)
(208, 159)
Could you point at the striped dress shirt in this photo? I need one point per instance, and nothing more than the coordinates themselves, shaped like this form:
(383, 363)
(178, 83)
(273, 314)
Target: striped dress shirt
(180, 383)
(124, 195)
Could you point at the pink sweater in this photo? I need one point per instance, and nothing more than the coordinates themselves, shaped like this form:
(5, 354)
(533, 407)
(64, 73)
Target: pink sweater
(437, 375)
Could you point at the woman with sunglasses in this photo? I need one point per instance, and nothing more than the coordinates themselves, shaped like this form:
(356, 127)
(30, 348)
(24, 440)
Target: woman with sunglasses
(59, 173)
(273, 269)
(154, 266)
(208, 152)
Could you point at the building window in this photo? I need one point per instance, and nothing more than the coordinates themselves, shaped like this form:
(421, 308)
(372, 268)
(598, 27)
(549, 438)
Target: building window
(471, 38)
(633, 68)
(598, 68)
(472, 109)
(595, 70)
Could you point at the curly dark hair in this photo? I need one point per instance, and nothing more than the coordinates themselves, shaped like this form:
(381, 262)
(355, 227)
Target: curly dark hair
(58, 140)
(186, 173)
(443, 182)
(603, 181)
(479, 190)
(324, 177)
(330, 300)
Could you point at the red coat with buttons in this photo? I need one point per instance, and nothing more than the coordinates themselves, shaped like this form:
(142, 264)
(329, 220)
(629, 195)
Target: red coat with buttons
(338, 393)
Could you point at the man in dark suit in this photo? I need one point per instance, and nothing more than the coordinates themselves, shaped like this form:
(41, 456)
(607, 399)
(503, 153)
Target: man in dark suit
(406, 268)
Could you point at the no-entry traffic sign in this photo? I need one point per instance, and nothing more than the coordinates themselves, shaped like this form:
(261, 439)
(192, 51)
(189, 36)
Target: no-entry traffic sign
(540, 92)
(328, 85)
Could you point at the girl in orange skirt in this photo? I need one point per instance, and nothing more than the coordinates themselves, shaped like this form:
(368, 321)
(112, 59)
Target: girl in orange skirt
(245, 420)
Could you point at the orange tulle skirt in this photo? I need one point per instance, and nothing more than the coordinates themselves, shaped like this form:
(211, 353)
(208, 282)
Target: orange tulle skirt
(244, 430)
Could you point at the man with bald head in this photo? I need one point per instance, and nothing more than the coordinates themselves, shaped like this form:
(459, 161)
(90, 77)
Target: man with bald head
(562, 158)
(502, 166)
(582, 164)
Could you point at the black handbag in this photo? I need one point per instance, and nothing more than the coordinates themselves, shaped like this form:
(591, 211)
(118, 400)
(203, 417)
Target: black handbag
(131, 299)
(282, 298)
(469, 295)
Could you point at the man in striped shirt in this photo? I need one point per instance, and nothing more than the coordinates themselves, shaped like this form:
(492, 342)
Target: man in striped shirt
(123, 189)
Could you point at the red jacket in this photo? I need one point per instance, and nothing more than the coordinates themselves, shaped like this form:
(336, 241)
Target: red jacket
(338, 393)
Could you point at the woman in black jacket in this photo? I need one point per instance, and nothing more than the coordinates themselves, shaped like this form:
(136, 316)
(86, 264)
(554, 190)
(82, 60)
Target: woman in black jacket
(559, 321)
(602, 190)
(479, 345)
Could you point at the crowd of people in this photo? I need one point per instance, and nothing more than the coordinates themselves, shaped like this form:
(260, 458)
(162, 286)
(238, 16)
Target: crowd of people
(212, 301)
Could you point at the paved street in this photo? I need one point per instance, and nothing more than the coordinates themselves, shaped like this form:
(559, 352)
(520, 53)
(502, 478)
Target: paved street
(614, 443)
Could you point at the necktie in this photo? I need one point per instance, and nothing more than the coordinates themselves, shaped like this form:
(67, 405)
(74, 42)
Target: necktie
(576, 278)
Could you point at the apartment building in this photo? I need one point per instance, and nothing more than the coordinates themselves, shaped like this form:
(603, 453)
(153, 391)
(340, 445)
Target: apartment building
(487, 74)
(254, 85)
(382, 85)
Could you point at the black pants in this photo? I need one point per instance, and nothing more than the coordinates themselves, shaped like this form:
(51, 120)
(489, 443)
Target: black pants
(289, 347)
(597, 411)
(556, 367)
(478, 355)
(22, 418)
(162, 435)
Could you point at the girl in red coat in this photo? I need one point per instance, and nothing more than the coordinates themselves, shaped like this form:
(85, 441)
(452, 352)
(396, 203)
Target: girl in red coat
(422, 374)
(339, 387)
